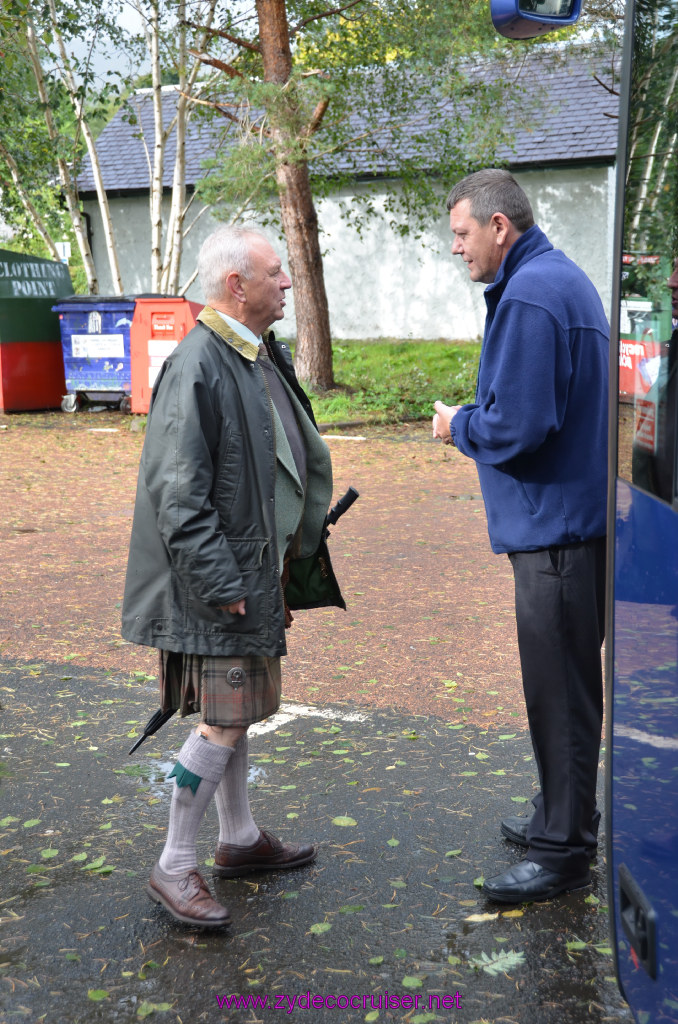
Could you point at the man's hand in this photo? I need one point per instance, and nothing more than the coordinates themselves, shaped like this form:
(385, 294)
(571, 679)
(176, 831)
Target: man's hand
(235, 609)
(441, 421)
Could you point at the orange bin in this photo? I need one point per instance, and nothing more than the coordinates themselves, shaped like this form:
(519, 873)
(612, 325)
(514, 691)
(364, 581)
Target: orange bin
(158, 325)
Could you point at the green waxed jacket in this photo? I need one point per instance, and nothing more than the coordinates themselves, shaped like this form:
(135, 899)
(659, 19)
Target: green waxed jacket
(205, 519)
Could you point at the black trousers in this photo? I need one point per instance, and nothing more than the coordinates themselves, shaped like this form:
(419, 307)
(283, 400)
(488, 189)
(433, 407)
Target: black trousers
(560, 615)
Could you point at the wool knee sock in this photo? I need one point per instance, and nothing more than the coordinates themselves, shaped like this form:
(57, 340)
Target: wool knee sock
(236, 824)
(196, 774)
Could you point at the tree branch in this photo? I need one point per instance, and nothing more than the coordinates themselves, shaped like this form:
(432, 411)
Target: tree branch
(316, 118)
(215, 106)
(228, 69)
(325, 14)
(608, 88)
(225, 35)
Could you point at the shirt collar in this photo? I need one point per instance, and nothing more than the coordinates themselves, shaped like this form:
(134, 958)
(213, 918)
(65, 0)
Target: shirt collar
(243, 332)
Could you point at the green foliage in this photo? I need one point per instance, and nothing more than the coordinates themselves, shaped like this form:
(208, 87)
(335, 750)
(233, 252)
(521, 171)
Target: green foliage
(651, 211)
(382, 31)
(383, 89)
(243, 174)
(27, 149)
(168, 77)
(12, 12)
(388, 381)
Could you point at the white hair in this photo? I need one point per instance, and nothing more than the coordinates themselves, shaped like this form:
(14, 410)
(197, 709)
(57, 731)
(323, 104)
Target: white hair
(224, 251)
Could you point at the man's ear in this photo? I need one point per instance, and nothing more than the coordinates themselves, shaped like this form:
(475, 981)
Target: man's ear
(234, 286)
(501, 226)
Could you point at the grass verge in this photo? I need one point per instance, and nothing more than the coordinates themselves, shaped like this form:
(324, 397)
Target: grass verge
(392, 380)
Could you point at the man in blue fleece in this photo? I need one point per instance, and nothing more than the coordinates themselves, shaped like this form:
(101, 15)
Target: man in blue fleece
(538, 434)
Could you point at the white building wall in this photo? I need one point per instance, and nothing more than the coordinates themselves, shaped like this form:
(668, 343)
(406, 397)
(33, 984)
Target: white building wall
(381, 285)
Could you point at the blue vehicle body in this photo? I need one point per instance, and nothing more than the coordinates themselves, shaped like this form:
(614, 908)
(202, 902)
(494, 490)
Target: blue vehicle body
(641, 758)
(642, 754)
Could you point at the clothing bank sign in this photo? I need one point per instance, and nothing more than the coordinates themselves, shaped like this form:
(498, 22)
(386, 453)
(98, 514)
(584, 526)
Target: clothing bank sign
(29, 277)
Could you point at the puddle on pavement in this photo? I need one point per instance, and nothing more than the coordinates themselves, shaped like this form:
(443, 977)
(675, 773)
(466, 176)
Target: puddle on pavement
(160, 785)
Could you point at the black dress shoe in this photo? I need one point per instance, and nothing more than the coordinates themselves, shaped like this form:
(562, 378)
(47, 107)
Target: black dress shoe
(527, 881)
(514, 828)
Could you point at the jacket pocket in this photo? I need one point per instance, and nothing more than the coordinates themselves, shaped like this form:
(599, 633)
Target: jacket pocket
(254, 561)
(229, 473)
(523, 496)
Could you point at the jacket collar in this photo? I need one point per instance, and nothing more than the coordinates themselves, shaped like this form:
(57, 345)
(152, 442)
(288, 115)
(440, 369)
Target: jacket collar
(531, 243)
(210, 318)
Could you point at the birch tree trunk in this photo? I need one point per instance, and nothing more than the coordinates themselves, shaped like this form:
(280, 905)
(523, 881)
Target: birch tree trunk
(65, 178)
(75, 95)
(179, 206)
(167, 245)
(27, 204)
(651, 156)
(175, 225)
(152, 32)
(313, 355)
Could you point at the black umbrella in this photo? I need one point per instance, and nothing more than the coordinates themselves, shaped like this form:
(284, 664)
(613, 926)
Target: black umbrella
(343, 505)
(153, 724)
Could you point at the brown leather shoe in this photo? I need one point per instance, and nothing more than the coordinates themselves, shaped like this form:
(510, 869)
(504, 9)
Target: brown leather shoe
(267, 854)
(187, 899)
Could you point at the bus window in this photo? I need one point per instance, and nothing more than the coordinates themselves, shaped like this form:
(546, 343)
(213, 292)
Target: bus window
(648, 341)
(647, 414)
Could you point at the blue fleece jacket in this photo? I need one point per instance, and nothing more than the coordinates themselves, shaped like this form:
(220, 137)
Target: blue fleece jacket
(538, 427)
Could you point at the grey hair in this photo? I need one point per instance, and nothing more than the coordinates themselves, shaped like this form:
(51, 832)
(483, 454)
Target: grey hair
(490, 191)
(224, 251)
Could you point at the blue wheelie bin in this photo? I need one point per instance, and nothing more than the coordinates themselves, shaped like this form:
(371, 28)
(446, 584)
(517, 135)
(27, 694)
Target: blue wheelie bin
(95, 338)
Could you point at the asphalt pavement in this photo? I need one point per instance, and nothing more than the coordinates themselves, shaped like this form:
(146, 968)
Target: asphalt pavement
(388, 924)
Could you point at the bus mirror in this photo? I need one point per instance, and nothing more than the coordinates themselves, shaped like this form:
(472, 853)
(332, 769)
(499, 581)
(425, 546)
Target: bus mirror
(524, 19)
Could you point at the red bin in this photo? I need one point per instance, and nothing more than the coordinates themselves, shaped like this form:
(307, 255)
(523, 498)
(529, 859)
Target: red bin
(158, 325)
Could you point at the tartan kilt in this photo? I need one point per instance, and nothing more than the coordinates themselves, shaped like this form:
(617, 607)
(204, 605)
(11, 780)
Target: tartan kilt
(230, 692)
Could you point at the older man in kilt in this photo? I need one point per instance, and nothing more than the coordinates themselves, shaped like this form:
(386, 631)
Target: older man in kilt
(228, 535)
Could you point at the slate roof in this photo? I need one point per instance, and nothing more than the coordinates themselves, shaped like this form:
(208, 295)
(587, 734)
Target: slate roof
(559, 112)
(579, 119)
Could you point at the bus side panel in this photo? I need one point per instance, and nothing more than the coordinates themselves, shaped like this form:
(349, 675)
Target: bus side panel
(643, 762)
